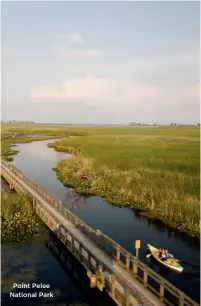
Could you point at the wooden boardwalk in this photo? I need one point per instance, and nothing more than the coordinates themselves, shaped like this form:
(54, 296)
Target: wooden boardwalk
(98, 253)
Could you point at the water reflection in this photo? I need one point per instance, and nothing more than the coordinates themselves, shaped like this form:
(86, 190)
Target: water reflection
(122, 224)
(76, 272)
(158, 225)
(37, 262)
(74, 201)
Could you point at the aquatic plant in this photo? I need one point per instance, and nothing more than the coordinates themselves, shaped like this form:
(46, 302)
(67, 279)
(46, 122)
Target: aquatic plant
(18, 220)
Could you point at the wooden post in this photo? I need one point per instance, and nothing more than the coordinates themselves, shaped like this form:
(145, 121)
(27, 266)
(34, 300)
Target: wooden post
(70, 216)
(118, 253)
(60, 205)
(128, 262)
(103, 278)
(161, 291)
(80, 251)
(145, 277)
(108, 245)
(126, 297)
(100, 268)
(97, 237)
(137, 247)
(113, 285)
(135, 266)
(181, 300)
(72, 243)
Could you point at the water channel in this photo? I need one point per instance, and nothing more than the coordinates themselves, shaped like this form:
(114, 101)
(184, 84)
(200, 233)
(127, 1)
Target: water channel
(36, 161)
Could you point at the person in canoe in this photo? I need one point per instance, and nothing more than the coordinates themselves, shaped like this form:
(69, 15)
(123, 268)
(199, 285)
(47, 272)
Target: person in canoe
(159, 253)
(168, 255)
(163, 255)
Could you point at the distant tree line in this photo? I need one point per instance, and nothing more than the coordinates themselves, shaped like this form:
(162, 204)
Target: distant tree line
(143, 124)
(19, 122)
(158, 124)
(179, 124)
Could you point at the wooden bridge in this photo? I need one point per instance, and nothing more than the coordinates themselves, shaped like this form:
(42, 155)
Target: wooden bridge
(110, 267)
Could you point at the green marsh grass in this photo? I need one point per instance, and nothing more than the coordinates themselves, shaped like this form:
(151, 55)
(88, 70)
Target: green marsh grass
(153, 170)
(156, 172)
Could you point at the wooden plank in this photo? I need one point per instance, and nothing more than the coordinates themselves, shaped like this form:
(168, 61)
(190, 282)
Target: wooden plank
(127, 297)
(161, 291)
(113, 285)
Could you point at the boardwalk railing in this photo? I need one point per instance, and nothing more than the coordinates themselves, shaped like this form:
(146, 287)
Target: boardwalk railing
(164, 290)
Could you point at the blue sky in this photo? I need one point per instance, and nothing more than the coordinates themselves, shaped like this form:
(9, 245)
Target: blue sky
(100, 62)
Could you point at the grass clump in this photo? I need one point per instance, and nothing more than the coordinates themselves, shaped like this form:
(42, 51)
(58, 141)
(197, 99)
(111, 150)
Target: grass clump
(18, 220)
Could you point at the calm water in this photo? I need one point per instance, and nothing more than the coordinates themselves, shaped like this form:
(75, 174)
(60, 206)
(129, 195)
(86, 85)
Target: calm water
(36, 160)
(35, 263)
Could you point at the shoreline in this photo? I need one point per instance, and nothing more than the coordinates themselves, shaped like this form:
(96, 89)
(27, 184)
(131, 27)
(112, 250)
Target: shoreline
(139, 211)
(140, 208)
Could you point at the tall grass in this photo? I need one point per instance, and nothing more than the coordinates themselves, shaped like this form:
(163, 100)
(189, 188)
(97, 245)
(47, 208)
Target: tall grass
(157, 174)
(154, 170)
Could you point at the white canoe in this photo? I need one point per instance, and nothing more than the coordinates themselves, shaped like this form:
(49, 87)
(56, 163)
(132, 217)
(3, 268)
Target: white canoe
(170, 263)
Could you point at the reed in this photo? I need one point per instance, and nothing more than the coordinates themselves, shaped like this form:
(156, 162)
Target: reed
(155, 174)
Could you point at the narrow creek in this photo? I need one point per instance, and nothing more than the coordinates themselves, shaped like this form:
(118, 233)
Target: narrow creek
(36, 160)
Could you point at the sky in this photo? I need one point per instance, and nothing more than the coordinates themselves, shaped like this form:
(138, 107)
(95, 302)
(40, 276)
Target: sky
(100, 62)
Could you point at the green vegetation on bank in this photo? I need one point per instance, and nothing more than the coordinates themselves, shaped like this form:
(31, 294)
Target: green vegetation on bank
(7, 145)
(18, 221)
(47, 130)
(153, 170)
(31, 133)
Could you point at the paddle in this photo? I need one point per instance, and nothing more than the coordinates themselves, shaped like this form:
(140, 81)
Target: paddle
(148, 255)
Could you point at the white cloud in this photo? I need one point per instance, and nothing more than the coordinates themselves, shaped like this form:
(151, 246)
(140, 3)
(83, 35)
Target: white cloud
(88, 53)
(92, 90)
(67, 45)
(73, 38)
(182, 66)
(168, 82)
(63, 50)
